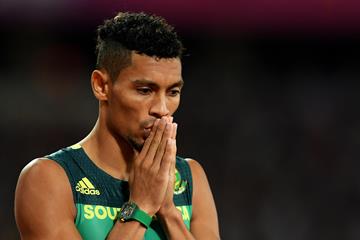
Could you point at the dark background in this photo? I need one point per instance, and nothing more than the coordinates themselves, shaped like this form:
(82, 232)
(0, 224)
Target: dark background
(270, 106)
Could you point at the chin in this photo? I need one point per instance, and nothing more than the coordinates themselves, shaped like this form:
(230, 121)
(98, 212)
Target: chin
(136, 144)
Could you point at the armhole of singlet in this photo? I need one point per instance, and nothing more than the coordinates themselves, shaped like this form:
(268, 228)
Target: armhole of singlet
(189, 174)
(185, 166)
(64, 166)
(61, 162)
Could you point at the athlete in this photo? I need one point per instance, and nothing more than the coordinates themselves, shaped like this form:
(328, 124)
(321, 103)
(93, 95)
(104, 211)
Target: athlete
(124, 180)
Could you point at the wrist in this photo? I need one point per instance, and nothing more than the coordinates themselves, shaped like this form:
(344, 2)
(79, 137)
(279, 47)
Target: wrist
(130, 211)
(147, 208)
(168, 212)
(172, 223)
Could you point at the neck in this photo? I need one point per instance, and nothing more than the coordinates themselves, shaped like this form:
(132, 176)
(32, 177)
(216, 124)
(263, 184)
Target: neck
(112, 155)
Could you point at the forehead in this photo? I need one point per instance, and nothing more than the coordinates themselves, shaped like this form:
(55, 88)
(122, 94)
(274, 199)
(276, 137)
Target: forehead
(151, 68)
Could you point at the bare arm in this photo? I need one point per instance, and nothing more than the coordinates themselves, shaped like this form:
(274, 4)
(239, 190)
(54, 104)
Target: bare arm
(44, 207)
(204, 222)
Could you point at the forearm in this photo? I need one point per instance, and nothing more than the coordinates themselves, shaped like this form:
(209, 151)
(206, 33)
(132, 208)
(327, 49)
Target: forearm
(127, 230)
(174, 225)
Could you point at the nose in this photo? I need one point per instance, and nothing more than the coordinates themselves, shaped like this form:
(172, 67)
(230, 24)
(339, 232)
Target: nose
(159, 107)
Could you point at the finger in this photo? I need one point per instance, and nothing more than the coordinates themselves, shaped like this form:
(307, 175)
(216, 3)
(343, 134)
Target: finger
(148, 140)
(169, 119)
(168, 158)
(172, 168)
(174, 158)
(162, 147)
(149, 158)
(174, 132)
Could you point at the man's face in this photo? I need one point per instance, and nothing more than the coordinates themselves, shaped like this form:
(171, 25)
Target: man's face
(146, 90)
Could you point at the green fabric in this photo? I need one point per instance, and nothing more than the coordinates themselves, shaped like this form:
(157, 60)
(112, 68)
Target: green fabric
(98, 196)
(142, 217)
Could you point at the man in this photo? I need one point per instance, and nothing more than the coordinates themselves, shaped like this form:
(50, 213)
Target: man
(124, 180)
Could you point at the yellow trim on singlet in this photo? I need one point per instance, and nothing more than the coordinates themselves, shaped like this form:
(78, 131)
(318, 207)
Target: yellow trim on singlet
(75, 146)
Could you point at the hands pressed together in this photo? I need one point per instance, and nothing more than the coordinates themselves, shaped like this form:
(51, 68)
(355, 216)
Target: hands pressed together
(151, 179)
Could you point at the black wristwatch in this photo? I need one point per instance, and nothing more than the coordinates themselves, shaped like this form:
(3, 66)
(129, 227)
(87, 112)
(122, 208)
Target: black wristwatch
(130, 212)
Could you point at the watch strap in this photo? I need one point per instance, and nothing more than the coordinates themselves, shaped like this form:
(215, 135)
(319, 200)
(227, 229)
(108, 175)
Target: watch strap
(130, 211)
(142, 217)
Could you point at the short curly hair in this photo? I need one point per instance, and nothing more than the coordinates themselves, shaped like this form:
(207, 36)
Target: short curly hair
(139, 32)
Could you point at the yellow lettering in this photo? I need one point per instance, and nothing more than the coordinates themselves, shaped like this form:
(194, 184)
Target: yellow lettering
(112, 216)
(118, 211)
(185, 213)
(89, 213)
(100, 212)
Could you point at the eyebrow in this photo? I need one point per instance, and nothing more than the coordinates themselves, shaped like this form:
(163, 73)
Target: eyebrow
(179, 83)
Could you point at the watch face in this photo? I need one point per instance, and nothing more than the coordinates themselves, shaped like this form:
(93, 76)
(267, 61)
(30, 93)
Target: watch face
(127, 210)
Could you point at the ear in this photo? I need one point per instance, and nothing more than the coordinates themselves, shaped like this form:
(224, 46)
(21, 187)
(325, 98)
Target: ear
(100, 84)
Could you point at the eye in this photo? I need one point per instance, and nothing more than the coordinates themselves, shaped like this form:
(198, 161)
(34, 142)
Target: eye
(174, 92)
(144, 90)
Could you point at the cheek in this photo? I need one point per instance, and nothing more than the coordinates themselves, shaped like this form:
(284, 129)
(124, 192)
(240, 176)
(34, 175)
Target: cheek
(125, 103)
(125, 121)
(128, 113)
(125, 112)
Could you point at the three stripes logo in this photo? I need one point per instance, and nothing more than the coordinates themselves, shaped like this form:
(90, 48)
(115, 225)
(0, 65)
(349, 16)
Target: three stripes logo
(84, 186)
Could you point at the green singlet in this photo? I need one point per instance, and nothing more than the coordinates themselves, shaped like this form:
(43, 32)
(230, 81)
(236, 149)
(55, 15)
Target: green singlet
(98, 196)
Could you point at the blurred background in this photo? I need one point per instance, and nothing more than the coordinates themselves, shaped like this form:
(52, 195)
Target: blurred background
(270, 104)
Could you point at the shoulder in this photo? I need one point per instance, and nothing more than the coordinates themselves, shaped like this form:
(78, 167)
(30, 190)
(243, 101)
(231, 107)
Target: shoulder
(41, 176)
(199, 178)
(41, 191)
(191, 167)
(204, 223)
(42, 187)
(43, 163)
(41, 169)
(46, 169)
(195, 166)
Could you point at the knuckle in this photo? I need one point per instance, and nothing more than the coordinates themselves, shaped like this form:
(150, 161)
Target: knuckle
(152, 171)
(161, 178)
(144, 166)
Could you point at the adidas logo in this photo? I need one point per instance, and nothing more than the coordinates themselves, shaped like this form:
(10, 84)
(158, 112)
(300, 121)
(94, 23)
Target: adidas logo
(84, 186)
